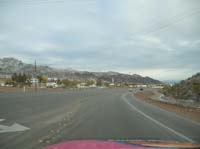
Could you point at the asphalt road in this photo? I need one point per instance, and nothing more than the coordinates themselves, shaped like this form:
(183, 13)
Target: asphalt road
(52, 117)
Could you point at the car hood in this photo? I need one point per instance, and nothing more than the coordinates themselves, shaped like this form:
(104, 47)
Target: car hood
(96, 144)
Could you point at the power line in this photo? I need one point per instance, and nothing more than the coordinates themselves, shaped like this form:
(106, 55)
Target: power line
(174, 20)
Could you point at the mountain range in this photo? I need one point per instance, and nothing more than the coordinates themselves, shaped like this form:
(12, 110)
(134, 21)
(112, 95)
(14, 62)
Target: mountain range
(11, 65)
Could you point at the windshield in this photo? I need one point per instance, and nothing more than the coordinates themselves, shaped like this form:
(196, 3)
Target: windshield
(99, 70)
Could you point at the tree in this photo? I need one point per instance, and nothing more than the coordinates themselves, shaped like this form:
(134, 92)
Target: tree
(99, 82)
(196, 87)
(19, 79)
(42, 79)
(8, 82)
(24, 78)
(66, 82)
(90, 82)
(14, 76)
(70, 83)
(59, 82)
(39, 78)
(106, 84)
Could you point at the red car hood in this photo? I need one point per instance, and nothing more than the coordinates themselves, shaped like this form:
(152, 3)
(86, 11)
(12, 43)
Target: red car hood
(95, 144)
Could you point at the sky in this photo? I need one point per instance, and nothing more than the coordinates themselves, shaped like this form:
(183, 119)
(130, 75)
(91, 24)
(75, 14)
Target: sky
(155, 38)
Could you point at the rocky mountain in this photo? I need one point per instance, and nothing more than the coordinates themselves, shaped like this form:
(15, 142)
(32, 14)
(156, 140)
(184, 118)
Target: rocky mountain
(12, 65)
(126, 78)
(188, 89)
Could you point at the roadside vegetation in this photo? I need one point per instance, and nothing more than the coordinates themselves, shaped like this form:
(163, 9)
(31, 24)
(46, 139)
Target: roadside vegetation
(19, 80)
(188, 89)
(70, 83)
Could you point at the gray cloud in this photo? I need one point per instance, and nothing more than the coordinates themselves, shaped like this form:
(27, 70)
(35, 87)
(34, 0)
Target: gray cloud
(157, 38)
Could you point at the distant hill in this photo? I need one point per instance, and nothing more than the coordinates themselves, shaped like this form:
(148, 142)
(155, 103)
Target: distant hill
(136, 79)
(171, 82)
(188, 89)
(12, 65)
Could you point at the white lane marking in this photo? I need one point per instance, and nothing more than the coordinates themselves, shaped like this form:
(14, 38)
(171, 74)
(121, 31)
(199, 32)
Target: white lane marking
(181, 117)
(157, 122)
(14, 128)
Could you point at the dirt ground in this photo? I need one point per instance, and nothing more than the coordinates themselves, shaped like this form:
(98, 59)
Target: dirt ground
(192, 113)
(7, 89)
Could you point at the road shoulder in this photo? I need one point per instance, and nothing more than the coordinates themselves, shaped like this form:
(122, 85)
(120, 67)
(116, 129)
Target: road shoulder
(191, 113)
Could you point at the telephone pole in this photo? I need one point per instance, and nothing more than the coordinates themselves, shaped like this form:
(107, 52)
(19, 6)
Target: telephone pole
(35, 76)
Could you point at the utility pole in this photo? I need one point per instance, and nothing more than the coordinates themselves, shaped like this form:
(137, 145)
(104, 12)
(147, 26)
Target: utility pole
(35, 77)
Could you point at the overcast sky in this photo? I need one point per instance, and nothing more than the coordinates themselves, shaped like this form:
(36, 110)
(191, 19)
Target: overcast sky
(155, 38)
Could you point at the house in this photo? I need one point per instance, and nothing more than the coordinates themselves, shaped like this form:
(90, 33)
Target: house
(34, 81)
(111, 84)
(52, 79)
(2, 83)
(131, 86)
(82, 85)
(93, 86)
(140, 85)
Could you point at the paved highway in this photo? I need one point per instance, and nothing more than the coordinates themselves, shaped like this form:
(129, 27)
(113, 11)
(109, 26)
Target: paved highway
(35, 120)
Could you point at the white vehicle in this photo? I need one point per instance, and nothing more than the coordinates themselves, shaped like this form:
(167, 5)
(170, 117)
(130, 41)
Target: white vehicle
(52, 84)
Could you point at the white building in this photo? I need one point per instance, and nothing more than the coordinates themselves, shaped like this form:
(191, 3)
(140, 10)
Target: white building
(2, 84)
(93, 86)
(34, 81)
(52, 79)
(141, 85)
(157, 86)
(111, 84)
(82, 85)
